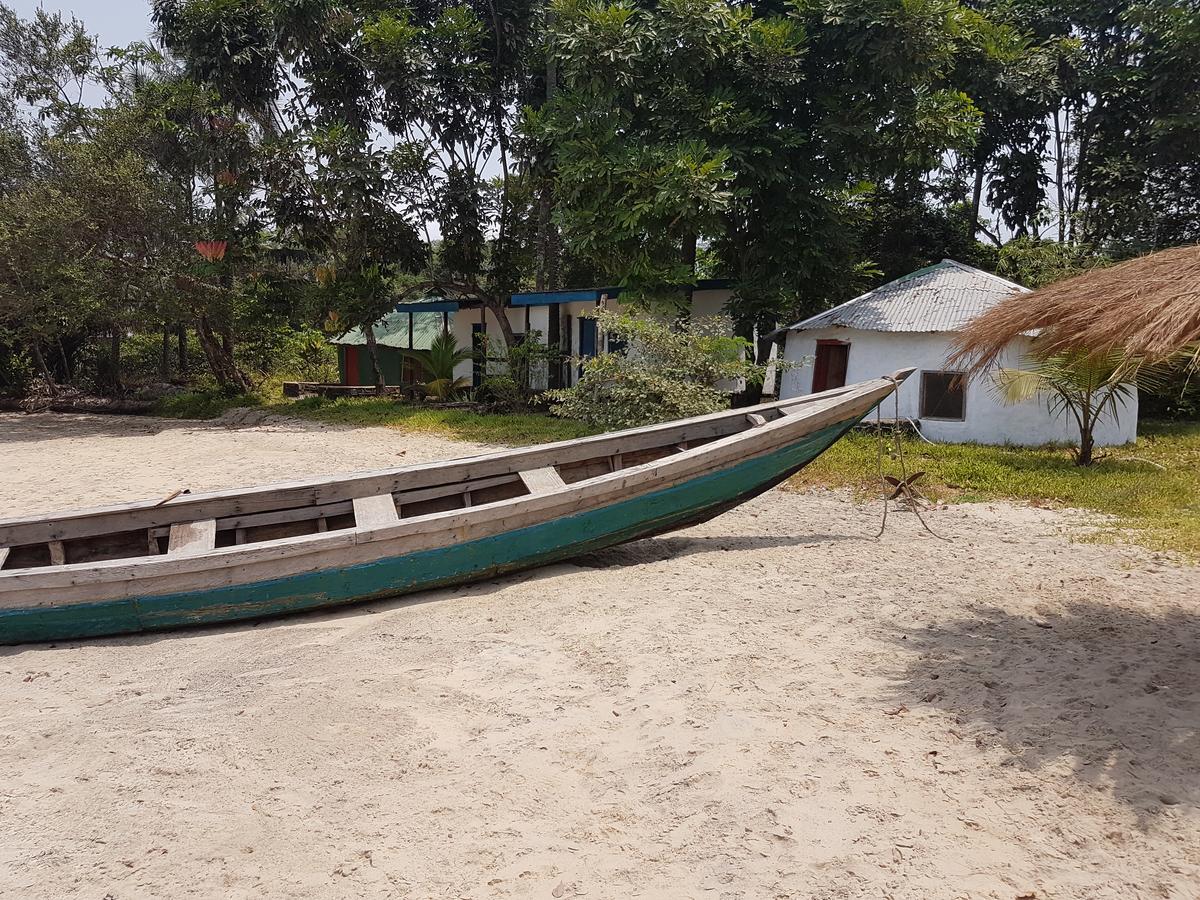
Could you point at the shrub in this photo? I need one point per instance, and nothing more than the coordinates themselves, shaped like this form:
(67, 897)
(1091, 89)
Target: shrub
(670, 371)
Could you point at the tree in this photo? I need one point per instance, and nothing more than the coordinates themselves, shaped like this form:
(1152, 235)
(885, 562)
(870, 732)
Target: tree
(1088, 387)
(769, 136)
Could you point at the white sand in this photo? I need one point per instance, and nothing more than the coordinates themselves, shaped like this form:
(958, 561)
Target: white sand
(769, 705)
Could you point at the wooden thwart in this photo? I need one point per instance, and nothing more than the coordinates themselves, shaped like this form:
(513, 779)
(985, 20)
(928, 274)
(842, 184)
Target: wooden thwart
(376, 511)
(542, 481)
(3, 556)
(190, 538)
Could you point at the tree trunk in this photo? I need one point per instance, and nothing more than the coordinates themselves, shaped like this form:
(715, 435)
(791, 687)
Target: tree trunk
(496, 306)
(1087, 442)
(1060, 173)
(114, 354)
(687, 256)
(687, 253)
(40, 360)
(224, 369)
(543, 239)
(181, 337)
(68, 375)
(976, 201)
(373, 352)
(164, 357)
(1087, 438)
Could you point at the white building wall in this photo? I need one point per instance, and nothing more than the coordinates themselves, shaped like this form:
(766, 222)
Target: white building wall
(704, 303)
(987, 420)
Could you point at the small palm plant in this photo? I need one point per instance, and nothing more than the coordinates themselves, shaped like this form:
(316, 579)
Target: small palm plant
(1089, 386)
(438, 364)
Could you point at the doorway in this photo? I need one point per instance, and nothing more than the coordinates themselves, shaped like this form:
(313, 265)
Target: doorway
(829, 368)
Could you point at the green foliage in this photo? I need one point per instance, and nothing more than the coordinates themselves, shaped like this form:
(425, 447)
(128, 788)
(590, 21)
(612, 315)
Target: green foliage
(669, 372)
(206, 404)
(438, 364)
(517, 371)
(802, 149)
(1151, 505)
(1087, 387)
(1035, 263)
(16, 369)
(500, 391)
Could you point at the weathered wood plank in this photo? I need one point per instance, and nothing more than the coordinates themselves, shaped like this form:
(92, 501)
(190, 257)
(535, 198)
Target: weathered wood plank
(373, 512)
(231, 503)
(277, 557)
(58, 553)
(755, 419)
(191, 538)
(544, 480)
(3, 556)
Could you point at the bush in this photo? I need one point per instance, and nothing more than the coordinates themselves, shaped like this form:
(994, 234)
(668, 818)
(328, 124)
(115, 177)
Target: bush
(500, 390)
(204, 404)
(16, 371)
(669, 372)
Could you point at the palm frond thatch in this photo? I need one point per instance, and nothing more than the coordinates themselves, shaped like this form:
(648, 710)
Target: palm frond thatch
(1146, 308)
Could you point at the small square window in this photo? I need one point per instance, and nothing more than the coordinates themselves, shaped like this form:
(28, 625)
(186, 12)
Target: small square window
(943, 396)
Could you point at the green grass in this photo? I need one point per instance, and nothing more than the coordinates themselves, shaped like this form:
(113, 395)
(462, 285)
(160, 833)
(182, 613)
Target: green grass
(514, 429)
(202, 404)
(1159, 508)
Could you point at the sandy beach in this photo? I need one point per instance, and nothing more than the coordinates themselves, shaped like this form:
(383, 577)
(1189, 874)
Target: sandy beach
(772, 705)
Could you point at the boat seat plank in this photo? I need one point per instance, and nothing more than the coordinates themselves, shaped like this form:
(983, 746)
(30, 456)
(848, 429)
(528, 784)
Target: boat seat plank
(542, 481)
(58, 553)
(375, 511)
(755, 419)
(190, 538)
(3, 556)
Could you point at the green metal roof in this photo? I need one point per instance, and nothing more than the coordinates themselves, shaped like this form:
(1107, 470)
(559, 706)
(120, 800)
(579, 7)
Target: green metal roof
(393, 331)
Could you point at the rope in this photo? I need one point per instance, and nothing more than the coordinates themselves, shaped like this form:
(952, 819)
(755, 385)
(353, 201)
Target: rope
(903, 487)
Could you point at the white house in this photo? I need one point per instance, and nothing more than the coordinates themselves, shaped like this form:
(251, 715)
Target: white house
(911, 322)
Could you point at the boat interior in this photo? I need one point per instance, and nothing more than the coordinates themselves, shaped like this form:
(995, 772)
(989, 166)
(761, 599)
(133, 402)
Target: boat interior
(189, 524)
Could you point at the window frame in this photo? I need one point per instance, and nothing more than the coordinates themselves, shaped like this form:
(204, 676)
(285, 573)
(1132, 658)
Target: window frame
(921, 407)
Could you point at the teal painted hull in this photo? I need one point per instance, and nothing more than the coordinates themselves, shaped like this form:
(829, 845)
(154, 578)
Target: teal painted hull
(675, 507)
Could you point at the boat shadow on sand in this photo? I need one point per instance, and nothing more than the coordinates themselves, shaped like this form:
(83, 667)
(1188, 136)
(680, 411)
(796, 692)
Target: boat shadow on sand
(661, 549)
(634, 553)
(1104, 692)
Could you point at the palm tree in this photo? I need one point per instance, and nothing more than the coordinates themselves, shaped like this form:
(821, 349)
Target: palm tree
(438, 363)
(1089, 386)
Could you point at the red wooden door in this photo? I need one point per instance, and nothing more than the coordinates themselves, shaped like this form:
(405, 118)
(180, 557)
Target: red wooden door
(829, 368)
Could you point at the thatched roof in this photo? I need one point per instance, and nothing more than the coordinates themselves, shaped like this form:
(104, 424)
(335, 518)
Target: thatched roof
(1147, 307)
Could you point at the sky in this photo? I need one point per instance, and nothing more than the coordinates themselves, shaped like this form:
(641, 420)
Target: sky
(117, 22)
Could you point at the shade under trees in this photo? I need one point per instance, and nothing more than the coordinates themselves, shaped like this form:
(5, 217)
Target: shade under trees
(346, 154)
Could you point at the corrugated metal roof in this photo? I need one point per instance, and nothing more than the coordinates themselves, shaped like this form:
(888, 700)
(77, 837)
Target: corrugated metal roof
(941, 297)
(393, 331)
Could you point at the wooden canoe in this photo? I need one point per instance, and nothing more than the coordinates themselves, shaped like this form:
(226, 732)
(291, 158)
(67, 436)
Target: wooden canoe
(265, 551)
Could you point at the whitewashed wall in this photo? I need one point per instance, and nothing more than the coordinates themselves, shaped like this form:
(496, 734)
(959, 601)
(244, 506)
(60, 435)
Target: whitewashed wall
(704, 303)
(988, 420)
